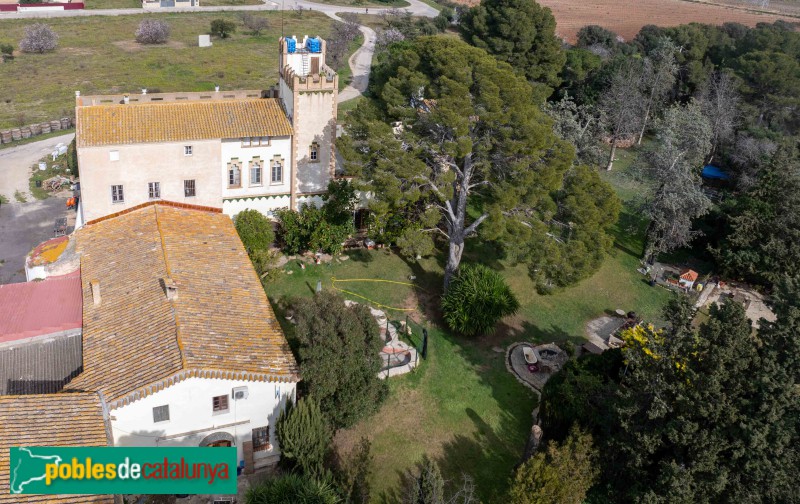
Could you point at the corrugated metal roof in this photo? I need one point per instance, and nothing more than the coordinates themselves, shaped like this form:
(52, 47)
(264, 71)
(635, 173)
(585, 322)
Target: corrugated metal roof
(41, 366)
(175, 121)
(49, 420)
(41, 307)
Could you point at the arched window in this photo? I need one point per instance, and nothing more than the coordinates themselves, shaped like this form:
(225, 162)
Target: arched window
(277, 171)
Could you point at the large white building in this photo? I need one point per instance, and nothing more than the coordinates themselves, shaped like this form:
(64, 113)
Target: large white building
(231, 150)
(176, 344)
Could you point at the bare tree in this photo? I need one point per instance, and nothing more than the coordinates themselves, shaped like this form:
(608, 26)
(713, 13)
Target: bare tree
(152, 31)
(621, 103)
(339, 41)
(719, 100)
(748, 155)
(39, 38)
(387, 37)
(256, 24)
(581, 126)
(658, 77)
(672, 166)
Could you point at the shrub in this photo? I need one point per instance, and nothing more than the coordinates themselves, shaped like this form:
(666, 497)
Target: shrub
(256, 24)
(478, 297)
(339, 357)
(152, 31)
(6, 52)
(304, 436)
(314, 228)
(292, 489)
(222, 29)
(255, 230)
(72, 158)
(39, 38)
(355, 473)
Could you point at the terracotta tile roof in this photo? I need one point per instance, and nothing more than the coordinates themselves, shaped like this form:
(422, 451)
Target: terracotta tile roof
(36, 308)
(135, 338)
(175, 121)
(49, 420)
(689, 275)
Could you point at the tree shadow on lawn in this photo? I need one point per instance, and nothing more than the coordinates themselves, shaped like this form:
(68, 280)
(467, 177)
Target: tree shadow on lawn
(629, 232)
(486, 454)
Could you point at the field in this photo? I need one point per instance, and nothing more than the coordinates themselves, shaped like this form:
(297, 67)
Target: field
(461, 407)
(99, 55)
(627, 17)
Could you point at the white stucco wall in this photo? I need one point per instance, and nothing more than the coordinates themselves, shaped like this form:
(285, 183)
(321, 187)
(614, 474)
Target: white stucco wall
(287, 98)
(314, 122)
(265, 204)
(191, 410)
(143, 163)
(232, 149)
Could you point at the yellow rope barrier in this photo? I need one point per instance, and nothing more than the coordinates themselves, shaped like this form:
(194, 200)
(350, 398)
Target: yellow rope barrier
(371, 301)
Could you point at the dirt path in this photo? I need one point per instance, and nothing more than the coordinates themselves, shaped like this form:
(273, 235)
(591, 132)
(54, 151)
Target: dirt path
(15, 163)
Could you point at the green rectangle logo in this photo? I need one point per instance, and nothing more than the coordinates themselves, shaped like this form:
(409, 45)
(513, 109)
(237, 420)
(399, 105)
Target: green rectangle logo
(122, 470)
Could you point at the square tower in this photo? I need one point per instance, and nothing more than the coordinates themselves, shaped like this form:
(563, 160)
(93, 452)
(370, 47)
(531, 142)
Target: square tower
(309, 91)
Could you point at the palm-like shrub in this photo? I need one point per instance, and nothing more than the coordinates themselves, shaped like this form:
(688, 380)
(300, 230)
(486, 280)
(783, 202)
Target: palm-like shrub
(478, 297)
(292, 489)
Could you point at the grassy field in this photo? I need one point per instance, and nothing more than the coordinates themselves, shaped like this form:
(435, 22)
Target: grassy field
(461, 407)
(98, 55)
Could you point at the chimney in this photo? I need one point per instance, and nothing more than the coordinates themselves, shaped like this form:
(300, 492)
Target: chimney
(126, 99)
(216, 89)
(77, 94)
(144, 91)
(171, 288)
(95, 286)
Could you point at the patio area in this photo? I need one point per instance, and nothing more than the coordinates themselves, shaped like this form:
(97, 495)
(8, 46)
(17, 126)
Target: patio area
(532, 365)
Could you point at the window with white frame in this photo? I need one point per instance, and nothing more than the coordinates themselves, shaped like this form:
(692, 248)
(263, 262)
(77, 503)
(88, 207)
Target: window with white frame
(234, 175)
(187, 150)
(113, 155)
(246, 142)
(154, 190)
(277, 171)
(256, 178)
(188, 188)
(255, 141)
(161, 413)
(117, 195)
(314, 152)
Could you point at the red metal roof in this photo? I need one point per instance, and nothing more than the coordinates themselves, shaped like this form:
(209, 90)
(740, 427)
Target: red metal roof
(41, 307)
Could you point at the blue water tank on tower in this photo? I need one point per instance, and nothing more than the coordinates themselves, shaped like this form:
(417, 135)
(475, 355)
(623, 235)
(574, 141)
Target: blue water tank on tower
(314, 45)
(291, 45)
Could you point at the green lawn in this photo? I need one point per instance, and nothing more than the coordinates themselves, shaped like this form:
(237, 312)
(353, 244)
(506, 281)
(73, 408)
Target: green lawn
(98, 55)
(462, 407)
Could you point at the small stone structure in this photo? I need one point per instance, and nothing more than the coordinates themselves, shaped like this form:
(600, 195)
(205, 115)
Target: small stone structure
(550, 359)
(398, 357)
(204, 40)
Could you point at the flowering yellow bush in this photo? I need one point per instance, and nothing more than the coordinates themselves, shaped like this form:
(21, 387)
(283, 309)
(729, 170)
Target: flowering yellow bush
(642, 336)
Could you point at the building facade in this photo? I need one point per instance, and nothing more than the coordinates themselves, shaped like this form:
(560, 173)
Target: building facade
(232, 150)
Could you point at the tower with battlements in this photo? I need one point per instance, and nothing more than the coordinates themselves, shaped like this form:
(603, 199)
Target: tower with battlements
(308, 90)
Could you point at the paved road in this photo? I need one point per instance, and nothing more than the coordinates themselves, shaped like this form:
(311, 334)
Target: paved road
(22, 227)
(15, 163)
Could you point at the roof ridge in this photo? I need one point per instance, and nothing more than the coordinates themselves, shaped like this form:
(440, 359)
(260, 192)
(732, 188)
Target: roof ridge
(169, 275)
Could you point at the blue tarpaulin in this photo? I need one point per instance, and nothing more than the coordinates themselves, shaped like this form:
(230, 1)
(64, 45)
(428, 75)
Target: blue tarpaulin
(714, 173)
